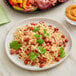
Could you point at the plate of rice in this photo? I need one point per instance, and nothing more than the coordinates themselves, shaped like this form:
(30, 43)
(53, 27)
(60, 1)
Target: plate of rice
(38, 44)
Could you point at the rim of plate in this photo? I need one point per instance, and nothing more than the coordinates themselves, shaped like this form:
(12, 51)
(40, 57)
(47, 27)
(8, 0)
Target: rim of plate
(37, 69)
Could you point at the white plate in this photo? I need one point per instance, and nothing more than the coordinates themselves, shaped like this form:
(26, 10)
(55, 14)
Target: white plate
(15, 59)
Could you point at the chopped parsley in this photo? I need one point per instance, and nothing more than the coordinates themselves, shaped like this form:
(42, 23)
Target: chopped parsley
(15, 45)
(37, 35)
(41, 50)
(45, 33)
(35, 29)
(40, 41)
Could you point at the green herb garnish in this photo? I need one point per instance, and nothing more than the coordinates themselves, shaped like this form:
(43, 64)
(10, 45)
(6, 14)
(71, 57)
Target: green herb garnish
(32, 56)
(41, 49)
(45, 33)
(15, 45)
(40, 41)
(62, 53)
(35, 29)
(36, 35)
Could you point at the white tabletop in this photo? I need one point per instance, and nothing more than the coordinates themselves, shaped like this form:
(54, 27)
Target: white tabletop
(67, 68)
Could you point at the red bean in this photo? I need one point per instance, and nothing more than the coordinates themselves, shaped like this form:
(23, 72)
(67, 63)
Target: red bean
(50, 25)
(57, 59)
(44, 59)
(26, 39)
(66, 40)
(30, 28)
(17, 51)
(32, 43)
(25, 33)
(27, 59)
(41, 44)
(25, 62)
(36, 51)
(47, 44)
(39, 32)
(64, 45)
(33, 24)
(19, 42)
(41, 65)
(11, 51)
(27, 52)
(47, 49)
(63, 42)
(45, 40)
(41, 22)
(56, 29)
(51, 52)
(60, 44)
(25, 29)
(63, 36)
(43, 37)
(33, 63)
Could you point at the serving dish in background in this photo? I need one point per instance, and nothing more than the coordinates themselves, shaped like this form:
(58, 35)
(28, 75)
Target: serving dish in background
(38, 10)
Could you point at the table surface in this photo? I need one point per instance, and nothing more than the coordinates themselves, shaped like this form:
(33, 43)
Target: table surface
(67, 68)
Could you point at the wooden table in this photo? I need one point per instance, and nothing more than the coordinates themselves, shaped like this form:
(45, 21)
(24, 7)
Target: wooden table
(67, 68)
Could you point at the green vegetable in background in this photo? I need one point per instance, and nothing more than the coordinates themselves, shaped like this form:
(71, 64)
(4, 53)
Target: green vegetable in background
(41, 49)
(35, 29)
(15, 45)
(62, 53)
(45, 33)
(32, 56)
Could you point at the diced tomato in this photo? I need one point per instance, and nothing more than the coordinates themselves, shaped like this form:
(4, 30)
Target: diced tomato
(11, 51)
